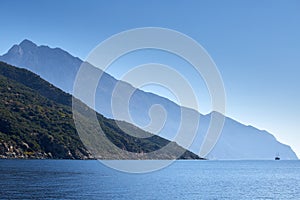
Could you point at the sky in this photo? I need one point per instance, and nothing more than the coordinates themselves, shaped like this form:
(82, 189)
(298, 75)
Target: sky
(255, 45)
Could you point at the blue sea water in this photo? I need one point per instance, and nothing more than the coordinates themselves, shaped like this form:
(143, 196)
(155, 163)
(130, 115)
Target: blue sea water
(69, 179)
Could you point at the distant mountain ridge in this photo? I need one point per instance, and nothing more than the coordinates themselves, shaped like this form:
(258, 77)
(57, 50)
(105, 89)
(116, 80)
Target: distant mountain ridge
(45, 62)
(60, 68)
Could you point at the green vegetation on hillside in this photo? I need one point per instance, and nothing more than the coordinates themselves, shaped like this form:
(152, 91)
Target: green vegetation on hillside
(36, 122)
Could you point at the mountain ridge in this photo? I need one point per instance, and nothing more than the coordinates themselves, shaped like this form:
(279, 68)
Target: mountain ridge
(141, 102)
(34, 123)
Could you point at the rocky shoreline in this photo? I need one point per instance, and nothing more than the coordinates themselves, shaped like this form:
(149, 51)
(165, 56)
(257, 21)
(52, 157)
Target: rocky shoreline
(9, 150)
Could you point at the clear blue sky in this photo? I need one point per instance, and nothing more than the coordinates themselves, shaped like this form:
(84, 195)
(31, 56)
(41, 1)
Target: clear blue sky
(255, 44)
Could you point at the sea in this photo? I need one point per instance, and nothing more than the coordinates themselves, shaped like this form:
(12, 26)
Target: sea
(184, 179)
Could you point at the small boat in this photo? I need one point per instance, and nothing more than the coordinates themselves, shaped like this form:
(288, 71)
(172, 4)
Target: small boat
(277, 157)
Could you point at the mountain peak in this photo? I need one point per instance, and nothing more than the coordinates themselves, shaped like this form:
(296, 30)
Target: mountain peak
(27, 44)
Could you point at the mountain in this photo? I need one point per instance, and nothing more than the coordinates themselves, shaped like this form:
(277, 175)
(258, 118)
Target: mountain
(237, 141)
(36, 121)
(45, 62)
